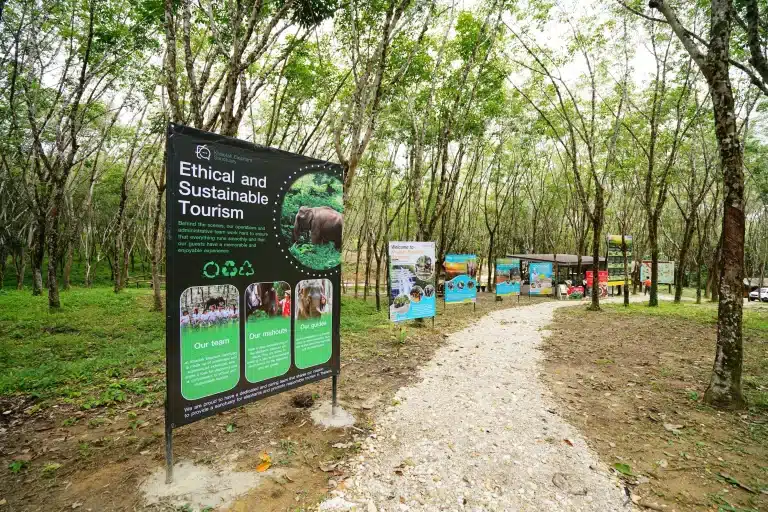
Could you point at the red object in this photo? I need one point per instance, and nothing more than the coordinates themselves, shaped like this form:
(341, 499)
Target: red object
(602, 277)
(286, 307)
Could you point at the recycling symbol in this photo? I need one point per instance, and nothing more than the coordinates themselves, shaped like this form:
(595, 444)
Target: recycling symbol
(246, 269)
(211, 269)
(229, 269)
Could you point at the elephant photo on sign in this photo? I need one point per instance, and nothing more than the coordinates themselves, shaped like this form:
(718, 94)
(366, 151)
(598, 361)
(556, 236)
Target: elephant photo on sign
(313, 298)
(323, 224)
(311, 220)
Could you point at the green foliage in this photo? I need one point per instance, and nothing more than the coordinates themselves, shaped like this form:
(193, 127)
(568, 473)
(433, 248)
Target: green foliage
(622, 468)
(311, 12)
(80, 353)
(89, 353)
(318, 257)
(17, 465)
(311, 190)
(358, 316)
(754, 320)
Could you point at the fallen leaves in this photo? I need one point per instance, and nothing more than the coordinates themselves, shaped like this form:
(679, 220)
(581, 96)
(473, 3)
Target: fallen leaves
(622, 468)
(265, 464)
(675, 429)
(328, 466)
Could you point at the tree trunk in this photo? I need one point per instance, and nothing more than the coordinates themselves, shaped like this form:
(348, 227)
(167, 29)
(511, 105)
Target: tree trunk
(725, 384)
(714, 290)
(157, 247)
(597, 221)
(3, 262)
(653, 238)
(682, 257)
(65, 278)
(626, 270)
(18, 264)
(357, 258)
(490, 258)
(54, 301)
(37, 258)
(367, 268)
(378, 280)
(89, 253)
(119, 237)
(698, 281)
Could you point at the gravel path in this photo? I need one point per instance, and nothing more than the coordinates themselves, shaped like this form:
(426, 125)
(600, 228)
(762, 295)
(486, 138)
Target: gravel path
(480, 432)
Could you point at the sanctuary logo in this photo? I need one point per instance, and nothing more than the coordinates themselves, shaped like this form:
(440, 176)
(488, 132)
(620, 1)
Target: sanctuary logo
(203, 153)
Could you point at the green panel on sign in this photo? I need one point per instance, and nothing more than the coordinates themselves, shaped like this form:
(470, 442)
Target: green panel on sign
(313, 343)
(210, 359)
(267, 347)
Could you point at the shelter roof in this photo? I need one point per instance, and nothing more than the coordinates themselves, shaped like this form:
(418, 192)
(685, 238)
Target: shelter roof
(560, 259)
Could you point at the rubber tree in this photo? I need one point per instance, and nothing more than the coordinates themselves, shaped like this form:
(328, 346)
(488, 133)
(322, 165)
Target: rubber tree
(713, 58)
(658, 127)
(579, 128)
(219, 55)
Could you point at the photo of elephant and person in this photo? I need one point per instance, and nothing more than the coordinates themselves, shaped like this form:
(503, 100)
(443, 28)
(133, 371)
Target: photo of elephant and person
(313, 332)
(311, 220)
(267, 330)
(210, 340)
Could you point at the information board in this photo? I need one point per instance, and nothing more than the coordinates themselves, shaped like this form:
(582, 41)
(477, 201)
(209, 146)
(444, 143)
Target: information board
(508, 278)
(602, 282)
(460, 278)
(253, 272)
(666, 271)
(615, 260)
(540, 277)
(412, 280)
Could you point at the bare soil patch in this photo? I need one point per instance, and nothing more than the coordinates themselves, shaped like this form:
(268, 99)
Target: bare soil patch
(97, 459)
(633, 384)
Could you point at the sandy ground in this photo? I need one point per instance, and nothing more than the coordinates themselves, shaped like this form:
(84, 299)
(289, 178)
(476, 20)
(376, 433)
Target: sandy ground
(481, 432)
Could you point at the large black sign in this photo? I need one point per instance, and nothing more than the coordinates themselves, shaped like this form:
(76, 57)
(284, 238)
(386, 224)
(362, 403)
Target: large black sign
(253, 272)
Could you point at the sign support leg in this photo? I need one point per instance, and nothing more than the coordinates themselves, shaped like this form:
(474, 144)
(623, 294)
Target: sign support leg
(334, 385)
(168, 454)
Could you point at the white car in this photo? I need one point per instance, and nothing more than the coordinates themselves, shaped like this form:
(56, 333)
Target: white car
(763, 295)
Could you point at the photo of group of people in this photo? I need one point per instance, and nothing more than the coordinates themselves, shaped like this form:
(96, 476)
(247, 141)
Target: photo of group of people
(263, 300)
(267, 330)
(206, 306)
(210, 323)
(210, 340)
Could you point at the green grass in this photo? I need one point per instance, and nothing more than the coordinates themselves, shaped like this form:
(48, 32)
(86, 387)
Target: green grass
(90, 352)
(360, 316)
(317, 257)
(100, 273)
(103, 348)
(706, 313)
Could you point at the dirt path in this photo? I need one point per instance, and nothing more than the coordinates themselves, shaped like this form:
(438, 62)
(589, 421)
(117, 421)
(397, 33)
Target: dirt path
(480, 432)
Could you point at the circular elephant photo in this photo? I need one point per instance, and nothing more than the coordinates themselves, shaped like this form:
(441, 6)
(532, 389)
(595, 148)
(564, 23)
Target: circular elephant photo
(311, 220)
(429, 290)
